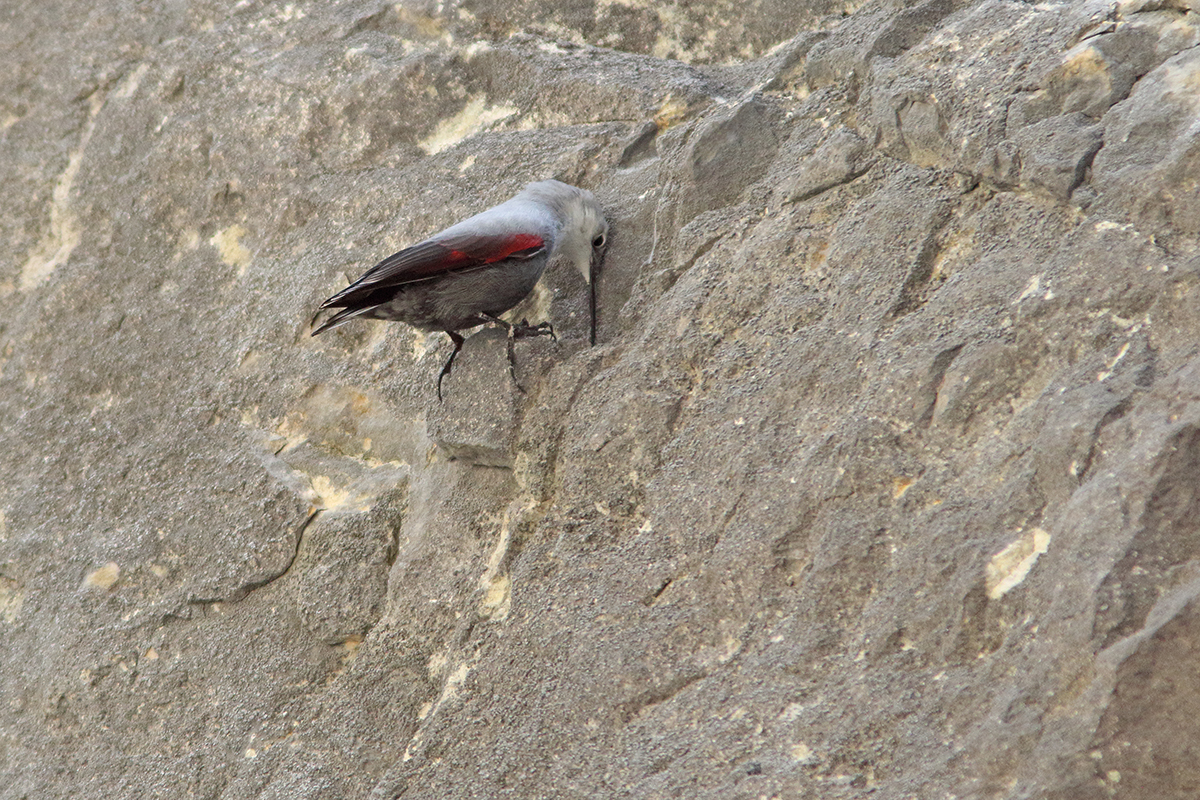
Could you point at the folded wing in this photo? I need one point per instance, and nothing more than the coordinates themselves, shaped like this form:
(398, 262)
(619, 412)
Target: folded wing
(430, 259)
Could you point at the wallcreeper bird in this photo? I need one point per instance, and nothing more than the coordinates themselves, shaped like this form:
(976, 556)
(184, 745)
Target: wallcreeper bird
(472, 272)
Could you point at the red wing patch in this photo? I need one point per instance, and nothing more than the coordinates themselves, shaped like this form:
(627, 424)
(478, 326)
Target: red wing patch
(513, 246)
(522, 241)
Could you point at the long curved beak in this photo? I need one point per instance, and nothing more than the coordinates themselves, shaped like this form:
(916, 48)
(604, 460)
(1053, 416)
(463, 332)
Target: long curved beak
(593, 265)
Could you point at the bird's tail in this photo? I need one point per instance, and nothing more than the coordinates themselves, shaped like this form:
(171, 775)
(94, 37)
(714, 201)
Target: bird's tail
(341, 318)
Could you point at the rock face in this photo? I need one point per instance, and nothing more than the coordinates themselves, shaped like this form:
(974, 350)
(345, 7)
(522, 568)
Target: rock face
(883, 479)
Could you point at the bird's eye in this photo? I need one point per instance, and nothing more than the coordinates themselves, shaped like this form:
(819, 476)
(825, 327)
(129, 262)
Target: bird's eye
(598, 241)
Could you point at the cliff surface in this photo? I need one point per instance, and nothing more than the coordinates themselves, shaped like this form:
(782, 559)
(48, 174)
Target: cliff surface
(883, 479)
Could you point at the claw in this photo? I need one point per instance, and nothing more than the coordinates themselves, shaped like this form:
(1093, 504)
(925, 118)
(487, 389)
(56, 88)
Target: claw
(525, 330)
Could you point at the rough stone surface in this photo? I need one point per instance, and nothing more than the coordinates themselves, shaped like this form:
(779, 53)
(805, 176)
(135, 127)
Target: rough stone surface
(880, 481)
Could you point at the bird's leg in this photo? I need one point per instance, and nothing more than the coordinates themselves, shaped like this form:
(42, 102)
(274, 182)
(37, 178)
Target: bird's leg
(519, 331)
(458, 343)
(509, 349)
(508, 326)
(512, 362)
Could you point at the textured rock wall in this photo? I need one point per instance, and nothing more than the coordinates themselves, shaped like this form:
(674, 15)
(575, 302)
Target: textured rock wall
(883, 480)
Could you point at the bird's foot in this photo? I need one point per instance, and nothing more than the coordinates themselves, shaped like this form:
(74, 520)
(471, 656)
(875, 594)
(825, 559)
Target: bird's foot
(525, 330)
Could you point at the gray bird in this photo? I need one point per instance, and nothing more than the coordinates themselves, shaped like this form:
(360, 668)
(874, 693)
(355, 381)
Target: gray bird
(474, 271)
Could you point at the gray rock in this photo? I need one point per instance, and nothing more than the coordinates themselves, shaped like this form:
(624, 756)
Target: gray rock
(1102, 68)
(1147, 167)
(881, 476)
(729, 152)
(1057, 153)
(843, 158)
(879, 30)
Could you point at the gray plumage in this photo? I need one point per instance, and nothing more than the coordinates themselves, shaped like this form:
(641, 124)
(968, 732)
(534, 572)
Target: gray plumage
(474, 271)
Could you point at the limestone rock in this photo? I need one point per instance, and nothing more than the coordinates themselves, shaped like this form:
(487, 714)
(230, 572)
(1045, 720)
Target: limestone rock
(881, 478)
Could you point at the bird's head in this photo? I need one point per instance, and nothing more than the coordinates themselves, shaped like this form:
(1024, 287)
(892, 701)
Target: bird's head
(583, 234)
(584, 237)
